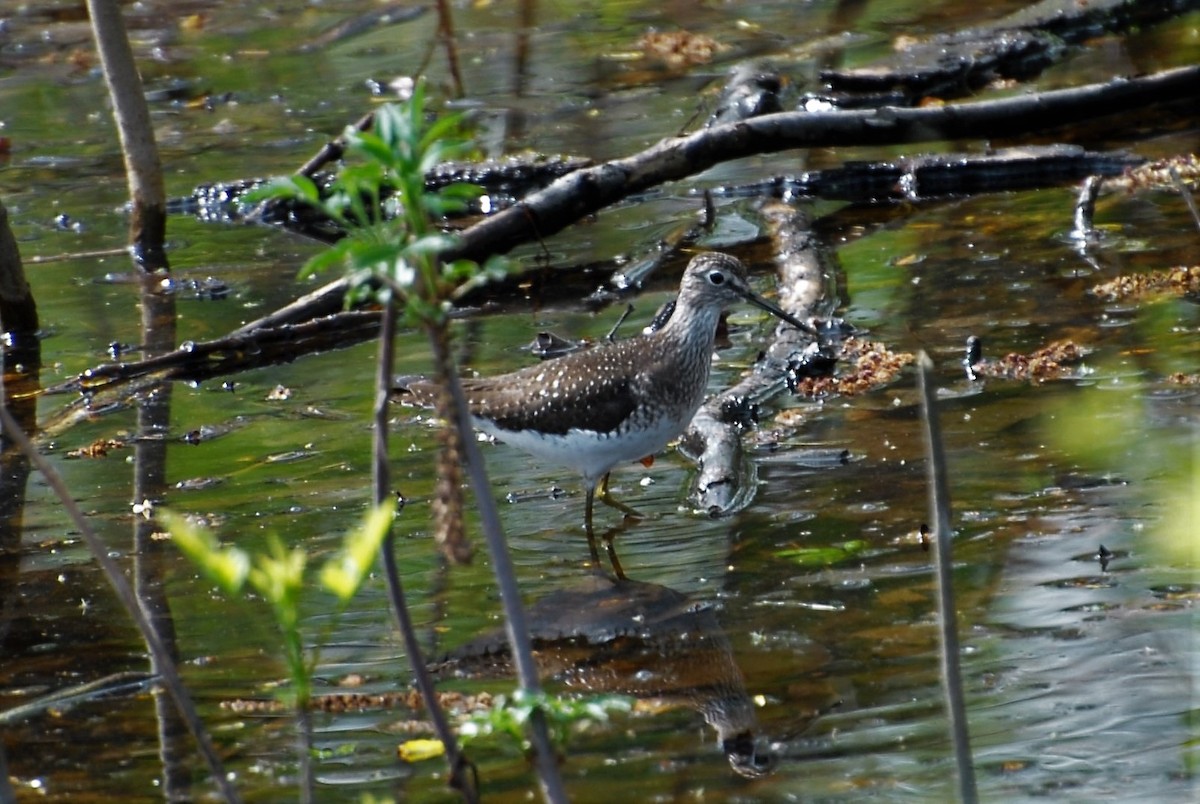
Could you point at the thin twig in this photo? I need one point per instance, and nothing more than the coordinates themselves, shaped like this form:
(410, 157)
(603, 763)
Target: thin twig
(939, 513)
(334, 149)
(515, 621)
(41, 259)
(162, 658)
(446, 35)
(304, 740)
(459, 779)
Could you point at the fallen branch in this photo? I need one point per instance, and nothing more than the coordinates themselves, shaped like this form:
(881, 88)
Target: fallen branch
(589, 190)
(909, 178)
(232, 353)
(928, 177)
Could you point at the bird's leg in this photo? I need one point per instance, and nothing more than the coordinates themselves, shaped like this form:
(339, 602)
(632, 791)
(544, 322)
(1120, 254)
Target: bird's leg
(587, 508)
(593, 553)
(612, 556)
(602, 492)
(587, 525)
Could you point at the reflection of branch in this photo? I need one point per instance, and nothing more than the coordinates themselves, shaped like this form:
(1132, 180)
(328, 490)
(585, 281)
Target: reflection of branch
(67, 697)
(159, 322)
(589, 190)
(18, 310)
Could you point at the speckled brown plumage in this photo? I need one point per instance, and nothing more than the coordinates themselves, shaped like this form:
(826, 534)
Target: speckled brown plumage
(620, 401)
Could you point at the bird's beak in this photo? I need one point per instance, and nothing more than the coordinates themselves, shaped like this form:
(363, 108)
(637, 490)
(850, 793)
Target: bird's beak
(763, 304)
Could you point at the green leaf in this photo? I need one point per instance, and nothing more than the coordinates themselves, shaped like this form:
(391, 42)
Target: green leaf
(442, 132)
(429, 245)
(331, 257)
(279, 577)
(345, 572)
(374, 147)
(376, 257)
(461, 189)
(298, 187)
(438, 206)
(225, 566)
(823, 556)
(459, 271)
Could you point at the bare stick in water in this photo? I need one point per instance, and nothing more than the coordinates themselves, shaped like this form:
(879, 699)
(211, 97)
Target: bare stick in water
(939, 514)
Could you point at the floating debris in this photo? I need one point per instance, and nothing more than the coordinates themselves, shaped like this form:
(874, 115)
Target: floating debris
(359, 701)
(97, 449)
(1181, 280)
(871, 365)
(1048, 363)
(1157, 175)
(547, 345)
(974, 355)
(198, 483)
(679, 48)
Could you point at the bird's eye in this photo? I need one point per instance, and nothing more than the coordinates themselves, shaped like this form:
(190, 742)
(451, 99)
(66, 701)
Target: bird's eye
(716, 278)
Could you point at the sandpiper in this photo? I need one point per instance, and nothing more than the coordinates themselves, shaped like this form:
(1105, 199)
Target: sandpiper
(618, 402)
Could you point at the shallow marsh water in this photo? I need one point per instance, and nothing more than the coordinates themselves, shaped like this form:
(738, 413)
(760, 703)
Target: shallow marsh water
(1081, 680)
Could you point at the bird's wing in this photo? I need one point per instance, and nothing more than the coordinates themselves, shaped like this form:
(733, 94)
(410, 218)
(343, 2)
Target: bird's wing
(591, 390)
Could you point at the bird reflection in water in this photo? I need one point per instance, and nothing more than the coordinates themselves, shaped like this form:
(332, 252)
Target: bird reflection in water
(614, 635)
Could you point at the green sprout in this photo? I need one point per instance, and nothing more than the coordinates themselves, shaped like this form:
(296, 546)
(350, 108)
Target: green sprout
(278, 574)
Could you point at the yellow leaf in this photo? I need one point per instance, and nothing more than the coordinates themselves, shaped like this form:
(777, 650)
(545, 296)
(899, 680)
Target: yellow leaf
(417, 750)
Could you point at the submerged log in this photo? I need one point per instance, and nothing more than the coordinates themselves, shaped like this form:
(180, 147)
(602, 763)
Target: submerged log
(1017, 47)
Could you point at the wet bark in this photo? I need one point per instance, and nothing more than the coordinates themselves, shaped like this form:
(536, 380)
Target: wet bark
(589, 190)
(278, 337)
